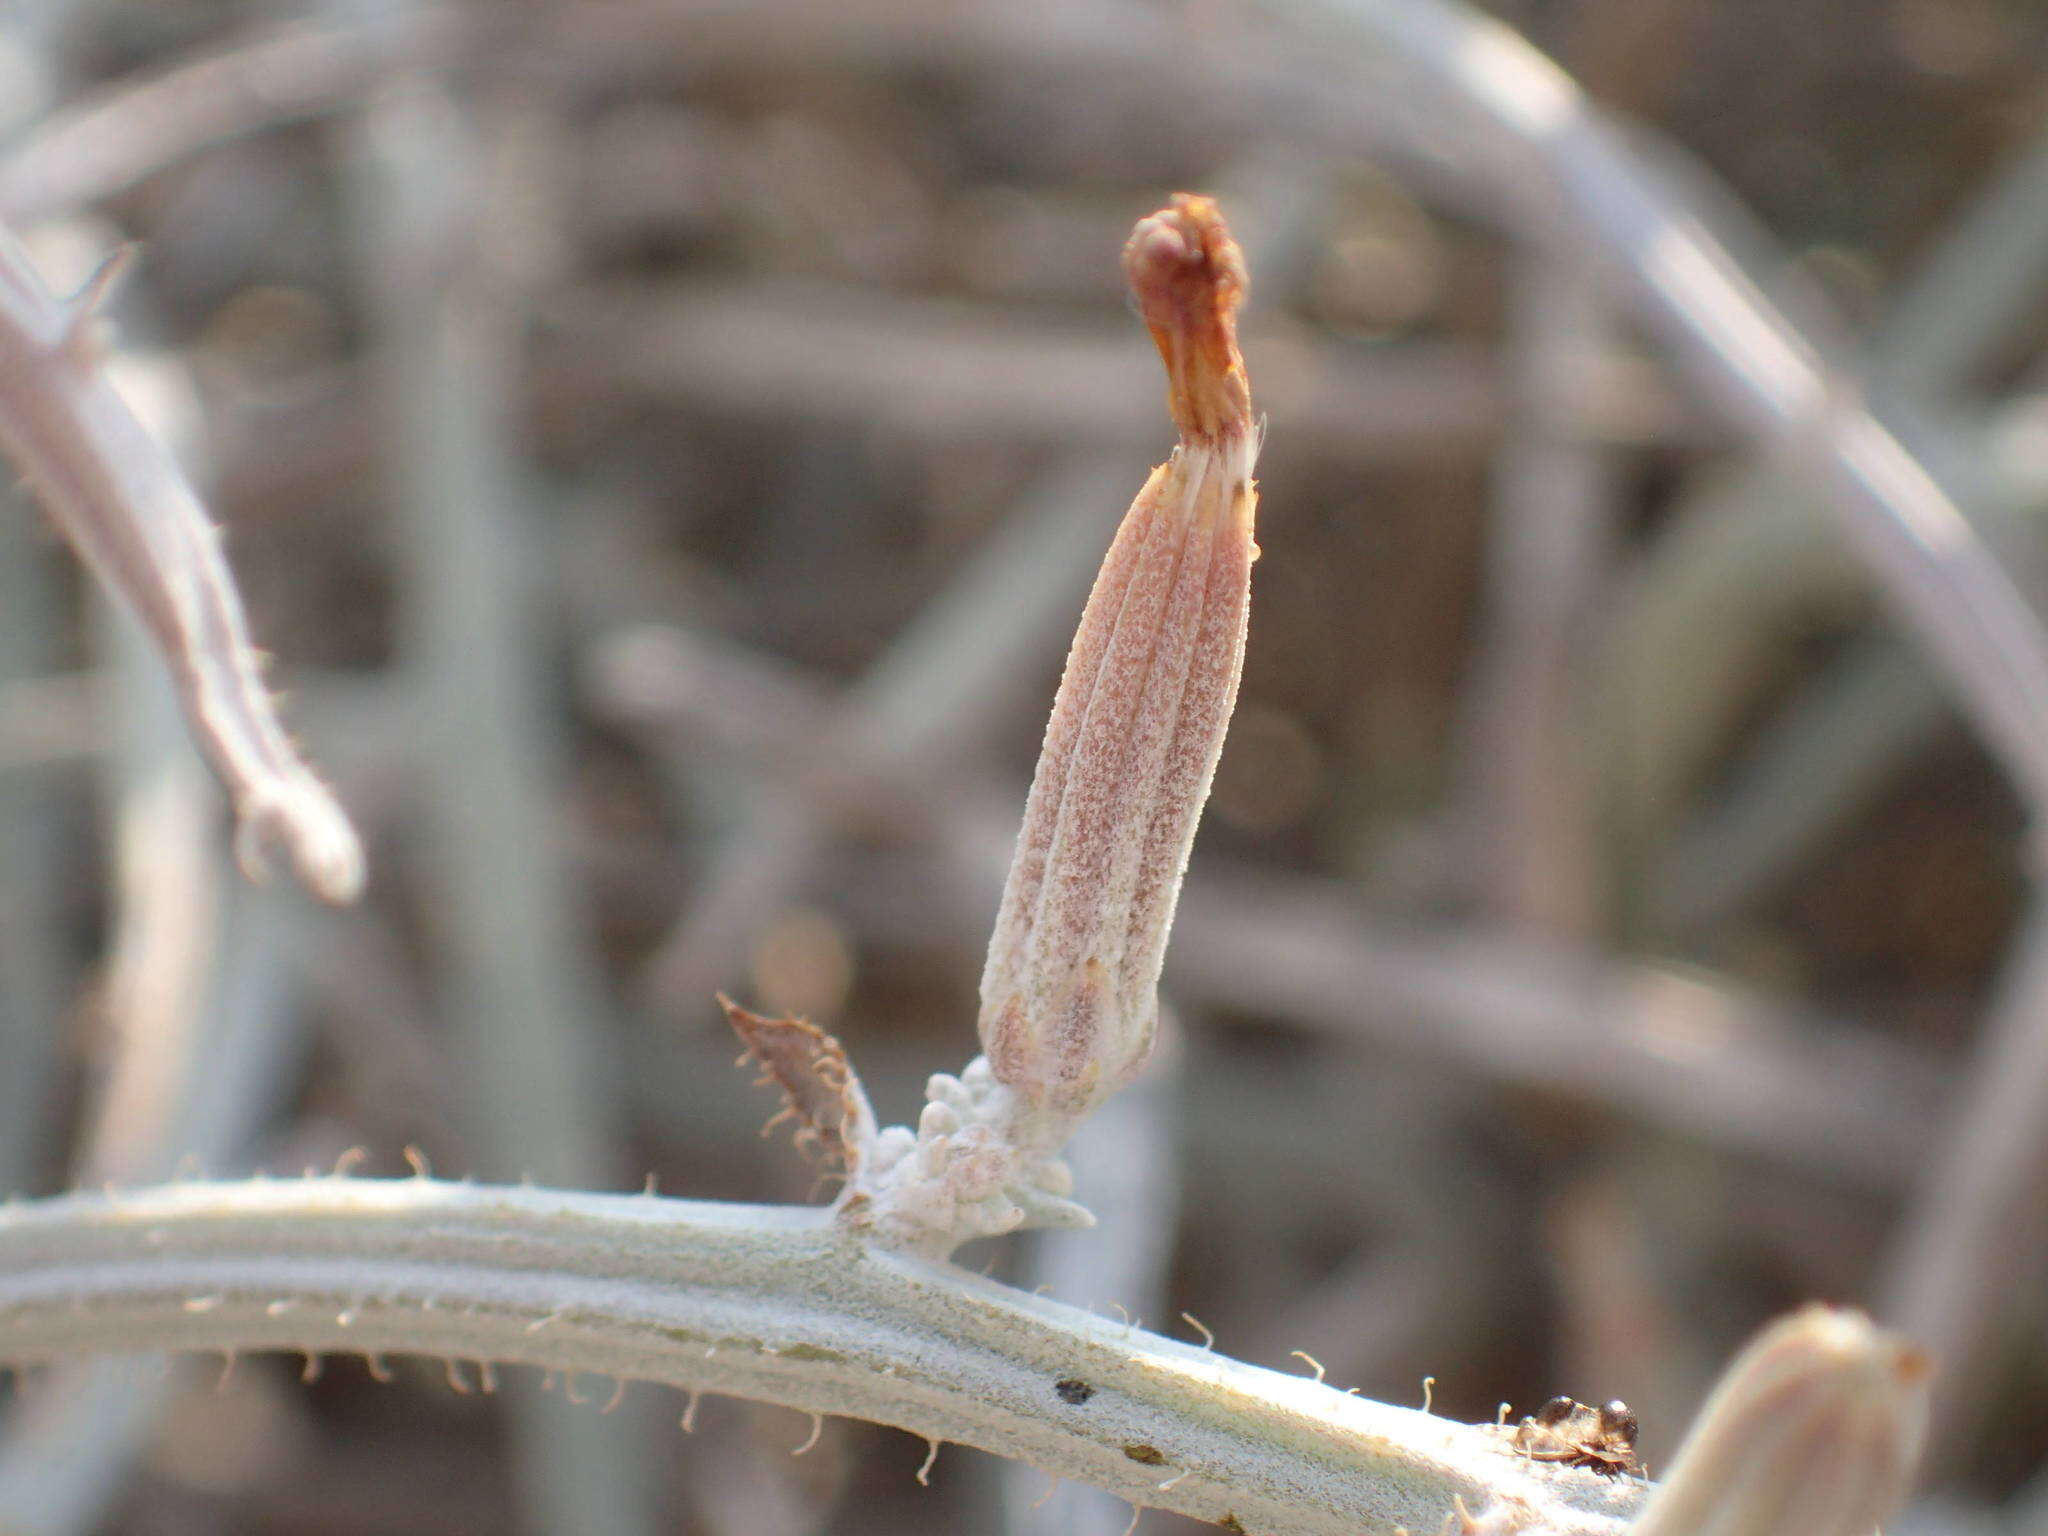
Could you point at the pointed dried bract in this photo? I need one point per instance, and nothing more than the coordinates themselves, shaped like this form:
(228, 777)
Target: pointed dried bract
(819, 1089)
(1813, 1431)
(1069, 997)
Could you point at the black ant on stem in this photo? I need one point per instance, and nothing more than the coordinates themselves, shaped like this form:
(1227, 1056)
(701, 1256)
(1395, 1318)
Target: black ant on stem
(1564, 1430)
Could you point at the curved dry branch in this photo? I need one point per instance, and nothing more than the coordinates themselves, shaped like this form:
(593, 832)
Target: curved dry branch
(106, 142)
(772, 1303)
(1571, 179)
(120, 499)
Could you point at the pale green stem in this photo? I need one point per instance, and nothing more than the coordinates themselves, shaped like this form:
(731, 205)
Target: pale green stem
(771, 1303)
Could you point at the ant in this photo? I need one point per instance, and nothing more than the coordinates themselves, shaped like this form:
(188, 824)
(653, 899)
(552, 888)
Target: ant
(1600, 1439)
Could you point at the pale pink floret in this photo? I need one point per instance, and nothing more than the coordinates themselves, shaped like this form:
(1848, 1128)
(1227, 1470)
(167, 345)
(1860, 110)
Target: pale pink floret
(1069, 1004)
(1069, 996)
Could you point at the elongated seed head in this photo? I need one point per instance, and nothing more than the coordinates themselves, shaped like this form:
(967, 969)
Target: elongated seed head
(1069, 995)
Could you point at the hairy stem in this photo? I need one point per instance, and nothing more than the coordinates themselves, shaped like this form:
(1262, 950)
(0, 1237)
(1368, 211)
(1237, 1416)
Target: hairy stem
(121, 500)
(770, 1303)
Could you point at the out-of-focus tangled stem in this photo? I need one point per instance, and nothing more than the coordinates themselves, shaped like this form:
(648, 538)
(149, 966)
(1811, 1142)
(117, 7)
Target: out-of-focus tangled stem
(120, 499)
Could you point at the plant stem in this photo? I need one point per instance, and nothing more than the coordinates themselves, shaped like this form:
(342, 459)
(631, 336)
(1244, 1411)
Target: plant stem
(123, 503)
(771, 1303)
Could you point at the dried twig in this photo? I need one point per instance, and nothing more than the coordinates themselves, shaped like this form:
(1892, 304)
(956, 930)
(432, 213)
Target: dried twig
(1671, 1046)
(114, 138)
(525, 1006)
(1813, 772)
(1570, 179)
(1553, 510)
(1948, 1279)
(121, 500)
(33, 964)
(1746, 555)
(205, 1032)
(924, 366)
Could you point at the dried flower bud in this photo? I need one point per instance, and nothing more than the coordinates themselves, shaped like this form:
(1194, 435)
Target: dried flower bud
(1069, 997)
(1813, 1431)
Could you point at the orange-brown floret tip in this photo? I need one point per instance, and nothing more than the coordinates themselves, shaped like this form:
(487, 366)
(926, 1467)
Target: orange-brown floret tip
(1188, 277)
